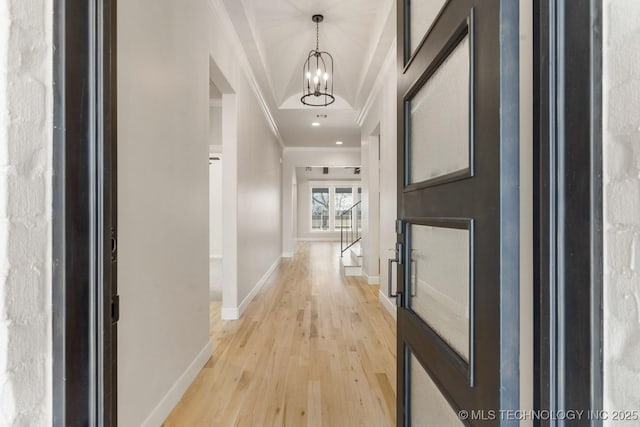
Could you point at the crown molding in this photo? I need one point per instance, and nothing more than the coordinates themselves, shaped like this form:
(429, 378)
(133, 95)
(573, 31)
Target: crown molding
(380, 27)
(389, 61)
(219, 10)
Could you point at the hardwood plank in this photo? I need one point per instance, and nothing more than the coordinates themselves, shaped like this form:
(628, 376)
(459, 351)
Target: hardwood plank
(314, 348)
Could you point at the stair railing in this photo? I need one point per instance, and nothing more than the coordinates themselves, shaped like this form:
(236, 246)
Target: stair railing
(350, 227)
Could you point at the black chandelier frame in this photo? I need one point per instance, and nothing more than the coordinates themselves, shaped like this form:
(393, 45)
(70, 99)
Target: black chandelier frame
(317, 85)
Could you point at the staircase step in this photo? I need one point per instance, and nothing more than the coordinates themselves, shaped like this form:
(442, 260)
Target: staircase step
(352, 270)
(354, 257)
(351, 263)
(356, 250)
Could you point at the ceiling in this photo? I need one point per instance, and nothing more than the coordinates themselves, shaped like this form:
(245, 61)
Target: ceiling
(277, 36)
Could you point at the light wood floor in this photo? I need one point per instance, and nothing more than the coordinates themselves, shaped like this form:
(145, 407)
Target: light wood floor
(314, 348)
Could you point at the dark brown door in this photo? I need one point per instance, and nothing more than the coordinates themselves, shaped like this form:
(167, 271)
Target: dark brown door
(458, 228)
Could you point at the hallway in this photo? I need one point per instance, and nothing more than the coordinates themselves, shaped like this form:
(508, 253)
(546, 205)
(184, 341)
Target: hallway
(314, 348)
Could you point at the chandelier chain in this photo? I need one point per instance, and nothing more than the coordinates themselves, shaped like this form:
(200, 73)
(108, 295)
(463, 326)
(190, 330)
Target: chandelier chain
(317, 37)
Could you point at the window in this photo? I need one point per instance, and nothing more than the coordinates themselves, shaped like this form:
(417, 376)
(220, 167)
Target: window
(329, 201)
(320, 209)
(343, 197)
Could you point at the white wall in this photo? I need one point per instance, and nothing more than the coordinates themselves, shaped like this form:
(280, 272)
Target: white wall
(302, 157)
(25, 212)
(379, 232)
(252, 177)
(372, 260)
(164, 74)
(294, 203)
(215, 179)
(163, 124)
(215, 122)
(621, 205)
(215, 208)
(259, 195)
(230, 302)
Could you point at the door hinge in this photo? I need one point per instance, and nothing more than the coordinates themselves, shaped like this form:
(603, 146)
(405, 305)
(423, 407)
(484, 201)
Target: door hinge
(115, 308)
(400, 226)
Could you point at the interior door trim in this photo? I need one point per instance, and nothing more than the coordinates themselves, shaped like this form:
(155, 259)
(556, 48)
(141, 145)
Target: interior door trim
(568, 240)
(83, 213)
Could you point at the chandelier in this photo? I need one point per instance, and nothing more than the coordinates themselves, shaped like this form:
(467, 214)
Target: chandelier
(317, 74)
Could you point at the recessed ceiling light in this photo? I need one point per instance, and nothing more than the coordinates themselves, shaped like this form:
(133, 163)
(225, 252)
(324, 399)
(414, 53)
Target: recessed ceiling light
(338, 142)
(315, 124)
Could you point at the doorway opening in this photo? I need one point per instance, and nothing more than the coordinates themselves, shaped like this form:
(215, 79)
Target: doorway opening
(215, 193)
(223, 206)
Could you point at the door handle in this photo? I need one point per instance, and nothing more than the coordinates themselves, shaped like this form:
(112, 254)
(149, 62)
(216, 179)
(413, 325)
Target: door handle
(390, 293)
(398, 259)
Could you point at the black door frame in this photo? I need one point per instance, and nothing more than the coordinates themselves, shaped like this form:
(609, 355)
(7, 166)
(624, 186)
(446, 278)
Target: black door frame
(85, 304)
(567, 196)
(568, 240)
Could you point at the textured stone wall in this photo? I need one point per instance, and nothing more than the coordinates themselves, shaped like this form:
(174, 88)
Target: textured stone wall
(622, 204)
(25, 213)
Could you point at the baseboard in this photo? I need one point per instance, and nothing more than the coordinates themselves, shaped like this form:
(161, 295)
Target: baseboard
(245, 303)
(287, 254)
(388, 304)
(229, 313)
(352, 270)
(175, 393)
(234, 313)
(371, 280)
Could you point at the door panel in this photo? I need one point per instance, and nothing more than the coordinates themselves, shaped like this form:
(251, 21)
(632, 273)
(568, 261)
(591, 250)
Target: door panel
(435, 410)
(442, 100)
(440, 280)
(458, 230)
(422, 14)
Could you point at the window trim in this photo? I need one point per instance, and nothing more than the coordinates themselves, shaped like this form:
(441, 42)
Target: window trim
(331, 185)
